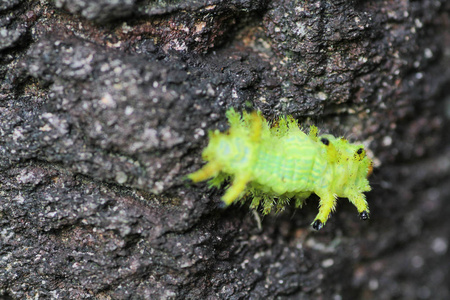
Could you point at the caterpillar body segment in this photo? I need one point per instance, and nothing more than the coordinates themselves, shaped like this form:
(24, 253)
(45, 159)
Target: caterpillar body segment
(276, 164)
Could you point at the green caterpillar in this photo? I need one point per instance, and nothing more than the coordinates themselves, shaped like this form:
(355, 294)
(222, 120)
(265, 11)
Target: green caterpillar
(279, 163)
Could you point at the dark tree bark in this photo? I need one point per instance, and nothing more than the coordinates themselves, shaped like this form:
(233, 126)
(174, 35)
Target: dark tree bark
(105, 107)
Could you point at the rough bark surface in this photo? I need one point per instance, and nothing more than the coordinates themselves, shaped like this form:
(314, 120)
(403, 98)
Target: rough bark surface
(105, 107)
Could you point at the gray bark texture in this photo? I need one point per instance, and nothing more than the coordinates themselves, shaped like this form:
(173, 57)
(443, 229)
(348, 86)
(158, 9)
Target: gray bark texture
(105, 107)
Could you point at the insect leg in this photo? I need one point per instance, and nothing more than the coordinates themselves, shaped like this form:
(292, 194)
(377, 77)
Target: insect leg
(209, 170)
(326, 206)
(237, 187)
(300, 198)
(359, 200)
